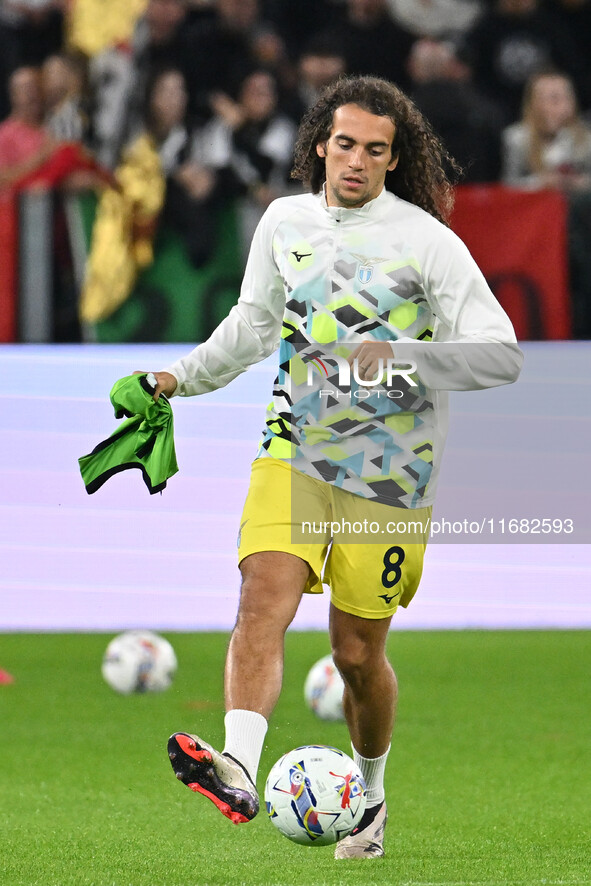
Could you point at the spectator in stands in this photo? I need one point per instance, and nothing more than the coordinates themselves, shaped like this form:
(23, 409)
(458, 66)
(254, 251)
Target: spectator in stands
(249, 142)
(127, 215)
(469, 124)
(63, 78)
(509, 43)
(299, 23)
(440, 19)
(223, 49)
(9, 56)
(372, 43)
(193, 190)
(119, 76)
(198, 181)
(574, 16)
(251, 137)
(550, 147)
(25, 142)
(157, 43)
(320, 63)
(35, 28)
(32, 158)
(165, 117)
(30, 31)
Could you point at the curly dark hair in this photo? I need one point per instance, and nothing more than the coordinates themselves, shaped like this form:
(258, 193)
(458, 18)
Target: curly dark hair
(425, 173)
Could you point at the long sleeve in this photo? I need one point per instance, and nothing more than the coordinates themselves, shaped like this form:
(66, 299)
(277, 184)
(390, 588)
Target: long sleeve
(249, 333)
(324, 276)
(474, 344)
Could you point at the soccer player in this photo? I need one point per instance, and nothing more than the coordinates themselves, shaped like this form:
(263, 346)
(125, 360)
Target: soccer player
(357, 274)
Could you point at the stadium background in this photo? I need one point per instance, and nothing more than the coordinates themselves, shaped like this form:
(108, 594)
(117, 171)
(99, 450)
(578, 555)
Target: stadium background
(465, 62)
(488, 784)
(76, 563)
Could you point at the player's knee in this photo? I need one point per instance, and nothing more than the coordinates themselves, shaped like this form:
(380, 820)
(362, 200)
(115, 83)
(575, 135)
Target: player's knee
(255, 612)
(354, 659)
(272, 586)
(265, 608)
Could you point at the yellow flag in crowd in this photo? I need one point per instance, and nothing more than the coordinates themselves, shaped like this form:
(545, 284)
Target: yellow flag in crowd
(94, 25)
(123, 231)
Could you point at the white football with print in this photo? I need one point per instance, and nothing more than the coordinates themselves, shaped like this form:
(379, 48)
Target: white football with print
(323, 690)
(315, 795)
(139, 661)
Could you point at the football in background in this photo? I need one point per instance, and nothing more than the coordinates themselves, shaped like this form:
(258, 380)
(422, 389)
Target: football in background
(139, 661)
(323, 690)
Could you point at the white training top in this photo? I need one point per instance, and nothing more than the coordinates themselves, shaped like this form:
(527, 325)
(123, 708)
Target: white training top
(320, 280)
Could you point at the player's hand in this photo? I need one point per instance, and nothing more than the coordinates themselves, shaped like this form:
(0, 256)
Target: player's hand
(368, 355)
(165, 383)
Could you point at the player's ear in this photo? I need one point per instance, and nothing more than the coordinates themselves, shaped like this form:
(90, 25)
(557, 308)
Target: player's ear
(321, 149)
(394, 162)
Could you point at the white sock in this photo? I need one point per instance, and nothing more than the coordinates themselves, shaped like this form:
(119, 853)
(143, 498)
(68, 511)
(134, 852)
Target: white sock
(245, 734)
(372, 770)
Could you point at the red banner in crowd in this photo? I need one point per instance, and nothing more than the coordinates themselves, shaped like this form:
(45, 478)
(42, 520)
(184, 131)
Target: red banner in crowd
(8, 267)
(68, 160)
(519, 240)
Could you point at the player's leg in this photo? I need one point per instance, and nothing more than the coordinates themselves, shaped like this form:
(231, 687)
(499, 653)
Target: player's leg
(276, 570)
(369, 702)
(369, 577)
(272, 586)
(275, 573)
(371, 690)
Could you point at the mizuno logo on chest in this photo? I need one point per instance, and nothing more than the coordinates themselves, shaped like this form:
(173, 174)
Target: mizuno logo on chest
(300, 255)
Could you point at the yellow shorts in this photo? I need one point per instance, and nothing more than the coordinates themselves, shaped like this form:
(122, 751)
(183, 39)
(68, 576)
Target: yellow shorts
(371, 555)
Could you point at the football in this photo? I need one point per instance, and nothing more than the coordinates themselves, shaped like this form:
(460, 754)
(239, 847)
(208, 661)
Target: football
(139, 661)
(315, 795)
(323, 690)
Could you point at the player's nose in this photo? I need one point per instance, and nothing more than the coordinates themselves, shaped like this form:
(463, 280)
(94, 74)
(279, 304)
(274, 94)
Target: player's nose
(356, 157)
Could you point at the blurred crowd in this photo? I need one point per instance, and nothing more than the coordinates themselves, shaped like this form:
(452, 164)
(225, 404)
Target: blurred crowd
(217, 87)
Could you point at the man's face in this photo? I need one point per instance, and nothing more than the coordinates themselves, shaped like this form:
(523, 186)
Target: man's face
(164, 17)
(358, 154)
(26, 97)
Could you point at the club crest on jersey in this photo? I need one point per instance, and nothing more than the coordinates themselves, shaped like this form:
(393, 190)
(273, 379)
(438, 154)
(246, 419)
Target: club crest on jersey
(365, 273)
(366, 267)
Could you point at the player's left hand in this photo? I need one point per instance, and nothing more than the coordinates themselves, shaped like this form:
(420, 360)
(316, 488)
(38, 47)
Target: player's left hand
(165, 383)
(368, 355)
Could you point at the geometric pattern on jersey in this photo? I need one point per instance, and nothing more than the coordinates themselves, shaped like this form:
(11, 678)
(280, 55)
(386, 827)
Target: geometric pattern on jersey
(343, 288)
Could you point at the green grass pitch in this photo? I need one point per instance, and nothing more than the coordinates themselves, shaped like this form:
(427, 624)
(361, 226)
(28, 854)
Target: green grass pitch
(489, 779)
